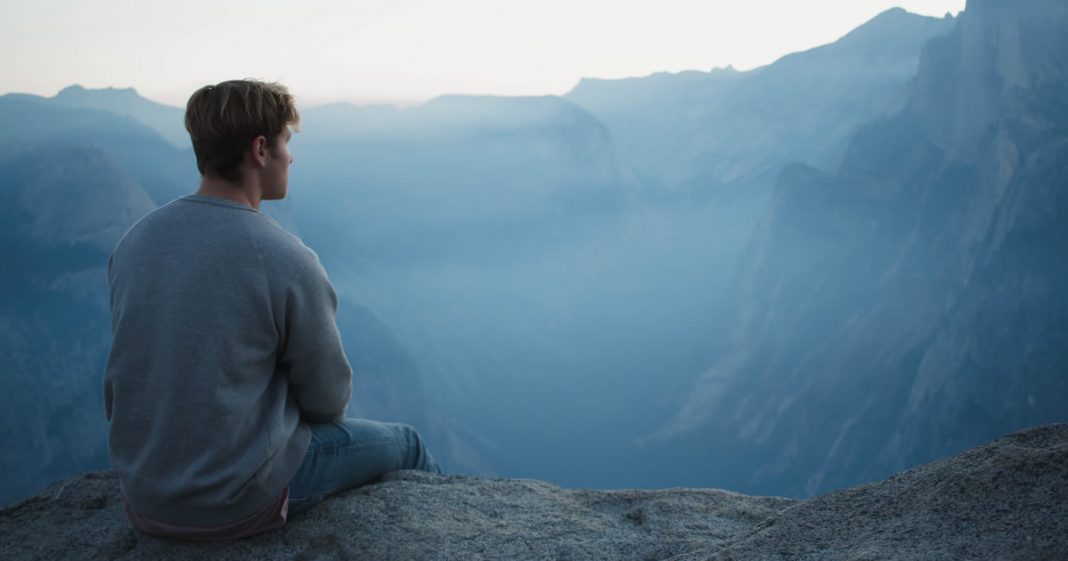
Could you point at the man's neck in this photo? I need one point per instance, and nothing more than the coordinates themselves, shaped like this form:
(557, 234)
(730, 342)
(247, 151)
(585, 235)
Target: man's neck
(242, 192)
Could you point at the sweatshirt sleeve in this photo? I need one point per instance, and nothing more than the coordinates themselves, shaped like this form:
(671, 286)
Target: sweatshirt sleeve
(320, 377)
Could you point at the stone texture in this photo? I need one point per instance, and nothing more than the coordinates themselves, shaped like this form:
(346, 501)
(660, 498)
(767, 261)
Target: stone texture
(1005, 500)
(407, 516)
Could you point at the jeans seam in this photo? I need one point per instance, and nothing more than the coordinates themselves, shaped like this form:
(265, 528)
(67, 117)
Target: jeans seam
(351, 445)
(397, 445)
(357, 444)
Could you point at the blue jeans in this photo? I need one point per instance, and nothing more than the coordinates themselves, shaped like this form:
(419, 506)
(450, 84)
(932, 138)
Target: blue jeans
(350, 452)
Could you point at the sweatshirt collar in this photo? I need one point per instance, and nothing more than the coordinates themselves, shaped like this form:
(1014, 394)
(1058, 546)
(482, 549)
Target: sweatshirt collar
(218, 201)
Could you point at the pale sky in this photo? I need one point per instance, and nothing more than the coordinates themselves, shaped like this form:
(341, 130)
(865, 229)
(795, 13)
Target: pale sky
(404, 51)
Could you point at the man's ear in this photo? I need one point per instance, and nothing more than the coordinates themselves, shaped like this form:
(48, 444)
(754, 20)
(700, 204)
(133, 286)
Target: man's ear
(258, 148)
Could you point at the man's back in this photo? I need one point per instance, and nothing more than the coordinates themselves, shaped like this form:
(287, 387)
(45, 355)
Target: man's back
(224, 341)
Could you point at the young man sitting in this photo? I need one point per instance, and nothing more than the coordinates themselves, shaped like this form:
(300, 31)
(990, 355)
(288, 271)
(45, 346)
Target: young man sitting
(226, 386)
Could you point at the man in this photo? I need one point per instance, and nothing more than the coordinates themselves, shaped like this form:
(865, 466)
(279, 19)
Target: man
(226, 385)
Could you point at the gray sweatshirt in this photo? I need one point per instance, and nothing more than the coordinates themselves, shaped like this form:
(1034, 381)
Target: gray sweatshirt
(225, 348)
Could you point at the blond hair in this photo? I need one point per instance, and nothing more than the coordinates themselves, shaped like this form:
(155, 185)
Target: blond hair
(223, 119)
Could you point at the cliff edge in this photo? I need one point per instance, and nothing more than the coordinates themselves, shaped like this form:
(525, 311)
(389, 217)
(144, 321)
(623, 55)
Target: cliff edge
(1004, 500)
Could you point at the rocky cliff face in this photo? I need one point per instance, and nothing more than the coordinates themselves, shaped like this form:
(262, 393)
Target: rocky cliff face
(1006, 500)
(908, 306)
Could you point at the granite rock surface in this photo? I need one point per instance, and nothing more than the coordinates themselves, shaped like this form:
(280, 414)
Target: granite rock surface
(1004, 500)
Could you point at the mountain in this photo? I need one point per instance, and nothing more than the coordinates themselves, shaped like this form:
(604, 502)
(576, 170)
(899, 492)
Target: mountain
(62, 208)
(168, 121)
(162, 170)
(451, 176)
(727, 133)
(908, 305)
(1005, 500)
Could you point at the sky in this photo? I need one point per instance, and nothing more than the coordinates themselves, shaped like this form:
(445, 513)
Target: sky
(404, 51)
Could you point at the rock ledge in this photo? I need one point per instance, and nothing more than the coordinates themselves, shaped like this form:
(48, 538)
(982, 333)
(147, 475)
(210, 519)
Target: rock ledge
(1004, 500)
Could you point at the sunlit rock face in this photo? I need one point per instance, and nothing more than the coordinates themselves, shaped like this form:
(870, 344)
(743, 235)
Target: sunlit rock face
(909, 305)
(1004, 500)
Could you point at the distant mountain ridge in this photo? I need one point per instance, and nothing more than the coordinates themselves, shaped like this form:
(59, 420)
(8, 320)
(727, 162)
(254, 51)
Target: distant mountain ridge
(161, 169)
(509, 164)
(729, 131)
(165, 119)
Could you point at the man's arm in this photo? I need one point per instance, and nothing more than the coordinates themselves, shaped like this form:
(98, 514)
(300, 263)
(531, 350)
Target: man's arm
(319, 374)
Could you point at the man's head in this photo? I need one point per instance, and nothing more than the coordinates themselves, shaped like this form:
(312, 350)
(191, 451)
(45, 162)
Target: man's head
(242, 123)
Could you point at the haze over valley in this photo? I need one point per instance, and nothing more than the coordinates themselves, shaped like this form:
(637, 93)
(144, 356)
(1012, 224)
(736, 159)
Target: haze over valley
(779, 281)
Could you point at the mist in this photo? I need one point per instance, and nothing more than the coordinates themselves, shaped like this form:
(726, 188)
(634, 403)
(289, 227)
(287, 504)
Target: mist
(779, 281)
